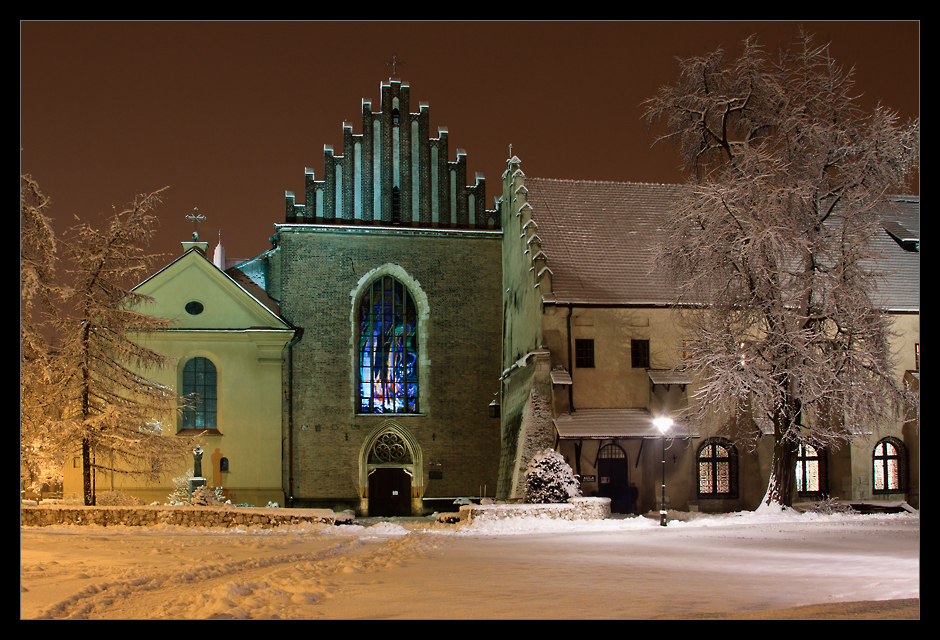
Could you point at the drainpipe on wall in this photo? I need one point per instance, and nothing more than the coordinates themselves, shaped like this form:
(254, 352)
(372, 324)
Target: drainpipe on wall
(290, 415)
(570, 361)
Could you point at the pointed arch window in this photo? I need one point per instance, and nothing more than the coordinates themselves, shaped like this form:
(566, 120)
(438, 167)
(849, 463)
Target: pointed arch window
(388, 349)
(201, 391)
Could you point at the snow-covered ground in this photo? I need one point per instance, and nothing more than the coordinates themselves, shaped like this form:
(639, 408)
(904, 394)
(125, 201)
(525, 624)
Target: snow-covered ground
(743, 565)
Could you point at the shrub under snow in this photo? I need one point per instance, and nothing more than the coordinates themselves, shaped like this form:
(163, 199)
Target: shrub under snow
(549, 479)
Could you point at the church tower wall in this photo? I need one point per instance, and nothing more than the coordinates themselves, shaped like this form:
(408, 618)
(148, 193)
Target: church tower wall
(455, 277)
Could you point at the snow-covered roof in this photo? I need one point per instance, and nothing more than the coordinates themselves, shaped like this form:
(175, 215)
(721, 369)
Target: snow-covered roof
(603, 424)
(600, 239)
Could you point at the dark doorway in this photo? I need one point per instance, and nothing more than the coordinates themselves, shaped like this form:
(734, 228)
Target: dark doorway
(389, 492)
(612, 478)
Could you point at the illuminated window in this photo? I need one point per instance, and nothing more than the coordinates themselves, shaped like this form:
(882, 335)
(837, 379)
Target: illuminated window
(584, 353)
(810, 471)
(717, 469)
(388, 349)
(889, 469)
(640, 354)
(200, 389)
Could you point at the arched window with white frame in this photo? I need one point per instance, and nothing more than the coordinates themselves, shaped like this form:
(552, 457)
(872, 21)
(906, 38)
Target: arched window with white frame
(811, 472)
(889, 466)
(717, 461)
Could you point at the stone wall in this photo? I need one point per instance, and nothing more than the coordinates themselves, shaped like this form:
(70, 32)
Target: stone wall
(574, 509)
(146, 516)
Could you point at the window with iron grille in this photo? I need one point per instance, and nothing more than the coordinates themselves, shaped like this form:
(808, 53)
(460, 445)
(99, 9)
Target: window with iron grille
(640, 354)
(584, 353)
(889, 468)
(717, 469)
(810, 472)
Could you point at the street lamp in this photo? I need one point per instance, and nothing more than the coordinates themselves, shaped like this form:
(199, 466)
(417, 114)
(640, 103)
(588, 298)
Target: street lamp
(663, 425)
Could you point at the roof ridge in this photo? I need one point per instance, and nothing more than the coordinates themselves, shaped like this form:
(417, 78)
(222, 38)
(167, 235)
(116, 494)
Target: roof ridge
(652, 184)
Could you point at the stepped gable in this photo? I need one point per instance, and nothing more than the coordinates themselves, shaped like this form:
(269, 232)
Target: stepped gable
(393, 174)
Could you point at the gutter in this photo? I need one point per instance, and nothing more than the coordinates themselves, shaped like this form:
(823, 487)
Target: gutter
(570, 363)
(290, 415)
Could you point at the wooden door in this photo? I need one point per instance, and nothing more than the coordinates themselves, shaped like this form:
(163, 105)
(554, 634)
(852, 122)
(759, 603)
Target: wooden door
(612, 477)
(389, 492)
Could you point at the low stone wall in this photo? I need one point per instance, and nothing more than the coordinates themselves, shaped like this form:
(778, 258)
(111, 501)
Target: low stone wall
(574, 509)
(188, 516)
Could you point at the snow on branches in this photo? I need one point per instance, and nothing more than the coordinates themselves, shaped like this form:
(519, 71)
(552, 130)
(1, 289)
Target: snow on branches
(549, 479)
(770, 249)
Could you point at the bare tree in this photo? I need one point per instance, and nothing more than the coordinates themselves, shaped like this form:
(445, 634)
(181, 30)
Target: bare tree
(98, 387)
(771, 251)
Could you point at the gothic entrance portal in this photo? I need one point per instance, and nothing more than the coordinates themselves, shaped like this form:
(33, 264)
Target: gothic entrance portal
(389, 461)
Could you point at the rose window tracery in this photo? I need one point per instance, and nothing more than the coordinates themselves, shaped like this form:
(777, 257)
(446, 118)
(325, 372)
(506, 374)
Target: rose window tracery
(389, 448)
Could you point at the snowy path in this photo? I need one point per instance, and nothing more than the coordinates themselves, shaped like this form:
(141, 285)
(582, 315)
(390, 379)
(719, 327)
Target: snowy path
(186, 575)
(422, 570)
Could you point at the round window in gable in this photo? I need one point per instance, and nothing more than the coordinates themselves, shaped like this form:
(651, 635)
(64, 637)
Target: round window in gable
(194, 308)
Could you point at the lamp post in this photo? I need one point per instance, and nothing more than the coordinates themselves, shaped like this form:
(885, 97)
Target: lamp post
(663, 425)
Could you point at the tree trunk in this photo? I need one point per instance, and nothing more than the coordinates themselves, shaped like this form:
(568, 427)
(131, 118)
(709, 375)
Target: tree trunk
(780, 490)
(87, 470)
(86, 473)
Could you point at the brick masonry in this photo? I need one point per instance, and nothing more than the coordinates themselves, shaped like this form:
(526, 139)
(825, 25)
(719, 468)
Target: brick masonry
(456, 277)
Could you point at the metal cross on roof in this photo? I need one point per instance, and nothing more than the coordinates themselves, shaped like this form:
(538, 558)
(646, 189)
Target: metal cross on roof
(196, 217)
(394, 62)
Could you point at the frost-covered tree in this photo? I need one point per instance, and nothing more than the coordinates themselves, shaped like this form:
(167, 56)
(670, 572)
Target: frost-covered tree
(549, 479)
(41, 437)
(788, 177)
(96, 394)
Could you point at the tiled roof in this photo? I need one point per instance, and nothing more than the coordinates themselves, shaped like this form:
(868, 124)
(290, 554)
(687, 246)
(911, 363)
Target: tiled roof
(668, 377)
(600, 239)
(899, 249)
(246, 283)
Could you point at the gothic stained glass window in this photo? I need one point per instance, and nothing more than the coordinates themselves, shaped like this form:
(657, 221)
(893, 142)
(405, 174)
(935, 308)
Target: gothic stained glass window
(388, 349)
(200, 389)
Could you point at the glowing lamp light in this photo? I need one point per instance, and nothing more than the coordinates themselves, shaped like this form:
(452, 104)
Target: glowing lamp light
(662, 424)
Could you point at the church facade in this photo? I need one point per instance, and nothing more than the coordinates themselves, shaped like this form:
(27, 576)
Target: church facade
(428, 347)
(392, 269)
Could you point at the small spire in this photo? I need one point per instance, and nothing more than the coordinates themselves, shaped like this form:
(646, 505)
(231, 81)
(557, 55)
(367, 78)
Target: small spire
(218, 258)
